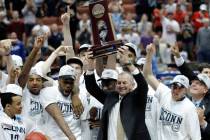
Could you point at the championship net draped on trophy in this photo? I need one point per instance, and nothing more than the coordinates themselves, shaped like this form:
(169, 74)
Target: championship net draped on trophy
(102, 29)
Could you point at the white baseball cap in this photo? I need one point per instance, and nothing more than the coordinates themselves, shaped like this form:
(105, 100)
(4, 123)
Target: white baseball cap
(141, 61)
(181, 79)
(40, 64)
(204, 78)
(203, 7)
(13, 88)
(84, 46)
(37, 71)
(75, 60)
(109, 74)
(17, 60)
(132, 47)
(67, 72)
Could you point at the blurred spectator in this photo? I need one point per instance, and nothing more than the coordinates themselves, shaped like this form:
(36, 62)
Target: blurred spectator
(129, 21)
(146, 39)
(170, 29)
(183, 53)
(83, 35)
(2, 6)
(16, 25)
(39, 5)
(203, 41)
(187, 37)
(30, 42)
(179, 14)
(56, 37)
(165, 52)
(122, 34)
(41, 29)
(144, 26)
(141, 7)
(198, 17)
(116, 13)
(29, 12)
(12, 5)
(3, 26)
(50, 6)
(196, 4)
(18, 47)
(128, 34)
(170, 6)
(156, 20)
(152, 4)
(183, 5)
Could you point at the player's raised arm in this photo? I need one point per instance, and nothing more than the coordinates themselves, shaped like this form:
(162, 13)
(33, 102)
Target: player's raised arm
(65, 18)
(31, 60)
(147, 70)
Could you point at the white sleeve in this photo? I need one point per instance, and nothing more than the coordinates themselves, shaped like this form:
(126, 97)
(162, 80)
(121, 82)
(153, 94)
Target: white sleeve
(162, 92)
(179, 61)
(164, 21)
(192, 125)
(176, 26)
(48, 96)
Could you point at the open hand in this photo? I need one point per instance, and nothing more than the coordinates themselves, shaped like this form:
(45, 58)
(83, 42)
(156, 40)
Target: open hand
(123, 54)
(89, 58)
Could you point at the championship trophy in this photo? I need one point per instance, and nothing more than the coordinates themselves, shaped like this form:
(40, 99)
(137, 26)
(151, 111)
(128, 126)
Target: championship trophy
(102, 29)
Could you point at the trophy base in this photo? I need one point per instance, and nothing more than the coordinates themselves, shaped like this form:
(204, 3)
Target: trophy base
(107, 48)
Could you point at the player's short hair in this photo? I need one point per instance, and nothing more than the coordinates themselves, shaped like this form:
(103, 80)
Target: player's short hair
(6, 98)
(202, 66)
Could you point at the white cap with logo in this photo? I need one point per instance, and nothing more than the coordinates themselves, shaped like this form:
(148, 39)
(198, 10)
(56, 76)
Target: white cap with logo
(17, 60)
(109, 74)
(204, 78)
(132, 46)
(181, 79)
(13, 88)
(67, 72)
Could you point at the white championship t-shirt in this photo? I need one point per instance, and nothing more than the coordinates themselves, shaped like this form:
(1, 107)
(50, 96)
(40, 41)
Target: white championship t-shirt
(14, 129)
(32, 109)
(151, 113)
(177, 120)
(51, 95)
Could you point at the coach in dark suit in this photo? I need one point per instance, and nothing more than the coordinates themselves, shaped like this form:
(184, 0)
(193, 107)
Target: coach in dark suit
(130, 102)
(202, 97)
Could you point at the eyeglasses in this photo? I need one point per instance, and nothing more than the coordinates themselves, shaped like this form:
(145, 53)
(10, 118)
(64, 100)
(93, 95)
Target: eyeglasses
(177, 86)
